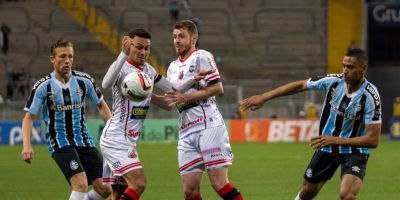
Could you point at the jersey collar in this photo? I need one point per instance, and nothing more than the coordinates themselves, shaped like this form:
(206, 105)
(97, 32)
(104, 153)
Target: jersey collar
(134, 65)
(187, 56)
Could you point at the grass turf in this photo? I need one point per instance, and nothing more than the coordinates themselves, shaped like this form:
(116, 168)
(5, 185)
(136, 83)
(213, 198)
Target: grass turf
(261, 171)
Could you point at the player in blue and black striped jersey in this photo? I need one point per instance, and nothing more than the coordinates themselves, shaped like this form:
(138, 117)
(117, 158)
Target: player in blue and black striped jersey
(350, 124)
(62, 95)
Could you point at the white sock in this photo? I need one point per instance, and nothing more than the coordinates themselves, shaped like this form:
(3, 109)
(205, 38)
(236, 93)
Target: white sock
(93, 195)
(297, 197)
(78, 195)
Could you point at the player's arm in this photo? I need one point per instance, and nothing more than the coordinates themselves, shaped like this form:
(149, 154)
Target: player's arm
(162, 102)
(257, 101)
(370, 140)
(27, 125)
(104, 110)
(204, 93)
(114, 69)
(167, 86)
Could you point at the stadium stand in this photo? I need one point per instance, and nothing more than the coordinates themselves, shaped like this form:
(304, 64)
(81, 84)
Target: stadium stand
(260, 43)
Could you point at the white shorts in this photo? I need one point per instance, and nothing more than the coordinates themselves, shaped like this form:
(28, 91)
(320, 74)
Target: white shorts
(118, 160)
(204, 149)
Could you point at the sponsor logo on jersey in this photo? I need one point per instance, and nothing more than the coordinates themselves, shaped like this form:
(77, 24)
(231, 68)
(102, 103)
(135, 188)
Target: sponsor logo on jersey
(355, 169)
(184, 106)
(139, 112)
(62, 108)
(189, 124)
(73, 165)
(133, 133)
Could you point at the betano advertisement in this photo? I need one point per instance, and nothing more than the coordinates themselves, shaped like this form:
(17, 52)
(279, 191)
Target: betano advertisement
(166, 130)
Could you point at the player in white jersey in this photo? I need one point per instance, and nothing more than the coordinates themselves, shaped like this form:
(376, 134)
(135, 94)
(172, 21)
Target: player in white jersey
(203, 138)
(118, 141)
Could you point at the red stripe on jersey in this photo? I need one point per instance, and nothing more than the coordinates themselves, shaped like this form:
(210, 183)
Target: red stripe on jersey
(191, 163)
(212, 77)
(132, 165)
(217, 162)
(186, 56)
(127, 117)
(134, 65)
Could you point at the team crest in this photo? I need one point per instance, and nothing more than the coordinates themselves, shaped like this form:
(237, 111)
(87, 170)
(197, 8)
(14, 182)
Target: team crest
(73, 165)
(180, 75)
(191, 68)
(357, 107)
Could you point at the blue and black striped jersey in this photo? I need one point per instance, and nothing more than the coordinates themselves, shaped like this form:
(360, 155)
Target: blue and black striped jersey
(345, 115)
(64, 108)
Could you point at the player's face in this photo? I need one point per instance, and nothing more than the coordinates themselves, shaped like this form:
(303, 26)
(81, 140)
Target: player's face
(62, 60)
(183, 41)
(353, 70)
(140, 50)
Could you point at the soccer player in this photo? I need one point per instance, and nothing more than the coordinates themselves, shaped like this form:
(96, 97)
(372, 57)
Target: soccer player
(203, 139)
(118, 141)
(62, 95)
(350, 125)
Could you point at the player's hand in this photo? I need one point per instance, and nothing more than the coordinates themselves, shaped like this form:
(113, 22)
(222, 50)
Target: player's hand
(126, 44)
(319, 142)
(27, 154)
(201, 74)
(174, 97)
(253, 103)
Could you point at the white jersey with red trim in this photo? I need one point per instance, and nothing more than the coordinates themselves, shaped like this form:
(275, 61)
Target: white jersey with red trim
(127, 119)
(201, 114)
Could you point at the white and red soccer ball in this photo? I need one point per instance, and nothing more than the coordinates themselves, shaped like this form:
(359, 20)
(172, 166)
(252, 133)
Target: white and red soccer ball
(137, 86)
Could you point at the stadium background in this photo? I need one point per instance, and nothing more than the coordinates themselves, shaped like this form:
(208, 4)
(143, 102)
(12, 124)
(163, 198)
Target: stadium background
(257, 44)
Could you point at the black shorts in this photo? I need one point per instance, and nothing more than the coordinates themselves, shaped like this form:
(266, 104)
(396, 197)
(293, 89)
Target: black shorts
(73, 160)
(323, 165)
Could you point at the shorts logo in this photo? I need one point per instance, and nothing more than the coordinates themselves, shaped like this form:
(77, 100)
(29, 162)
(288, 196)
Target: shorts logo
(355, 169)
(132, 154)
(309, 173)
(73, 165)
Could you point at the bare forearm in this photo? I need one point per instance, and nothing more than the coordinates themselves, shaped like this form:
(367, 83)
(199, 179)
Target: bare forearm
(288, 89)
(363, 141)
(104, 111)
(27, 125)
(202, 94)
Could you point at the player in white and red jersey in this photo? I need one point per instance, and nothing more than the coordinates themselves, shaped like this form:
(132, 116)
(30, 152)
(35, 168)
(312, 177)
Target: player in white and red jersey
(203, 138)
(118, 141)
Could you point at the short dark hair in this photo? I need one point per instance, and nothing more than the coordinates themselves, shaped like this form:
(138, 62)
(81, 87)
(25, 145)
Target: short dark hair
(360, 54)
(188, 24)
(140, 32)
(60, 43)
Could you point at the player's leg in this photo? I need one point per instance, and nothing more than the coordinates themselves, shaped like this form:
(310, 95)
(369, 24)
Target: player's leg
(93, 164)
(191, 165)
(353, 172)
(68, 161)
(321, 168)
(118, 187)
(136, 184)
(349, 187)
(217, 155)
(191, 185)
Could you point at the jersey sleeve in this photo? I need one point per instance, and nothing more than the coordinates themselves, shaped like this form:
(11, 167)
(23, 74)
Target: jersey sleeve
(36, 99)
(373, 111)
(206, 62)
(323, 82)
(93, 91)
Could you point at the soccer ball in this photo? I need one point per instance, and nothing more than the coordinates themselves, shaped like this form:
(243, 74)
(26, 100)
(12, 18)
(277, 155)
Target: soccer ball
(137, 86)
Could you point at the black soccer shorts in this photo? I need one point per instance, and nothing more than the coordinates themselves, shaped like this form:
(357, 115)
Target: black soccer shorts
(73, 160)
(323, 166)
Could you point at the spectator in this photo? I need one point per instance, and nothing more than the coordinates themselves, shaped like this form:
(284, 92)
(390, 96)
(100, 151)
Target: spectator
(197, 22)
(173, 11)
(396, 107)
(187, 13)
(5, 30)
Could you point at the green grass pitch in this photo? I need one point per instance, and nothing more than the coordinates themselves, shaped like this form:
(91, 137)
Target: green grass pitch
(261, 171)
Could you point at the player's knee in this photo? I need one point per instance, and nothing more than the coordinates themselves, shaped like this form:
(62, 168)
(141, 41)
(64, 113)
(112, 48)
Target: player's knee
(191, 191)
(346, 195)
(140, 185)
(103, 190)
(308, 192)
(79, 186)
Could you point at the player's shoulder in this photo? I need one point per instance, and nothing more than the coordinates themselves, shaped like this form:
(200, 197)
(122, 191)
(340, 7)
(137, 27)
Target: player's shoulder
(202, 52)
(335, 77)
(82, 75)
(42, 82)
